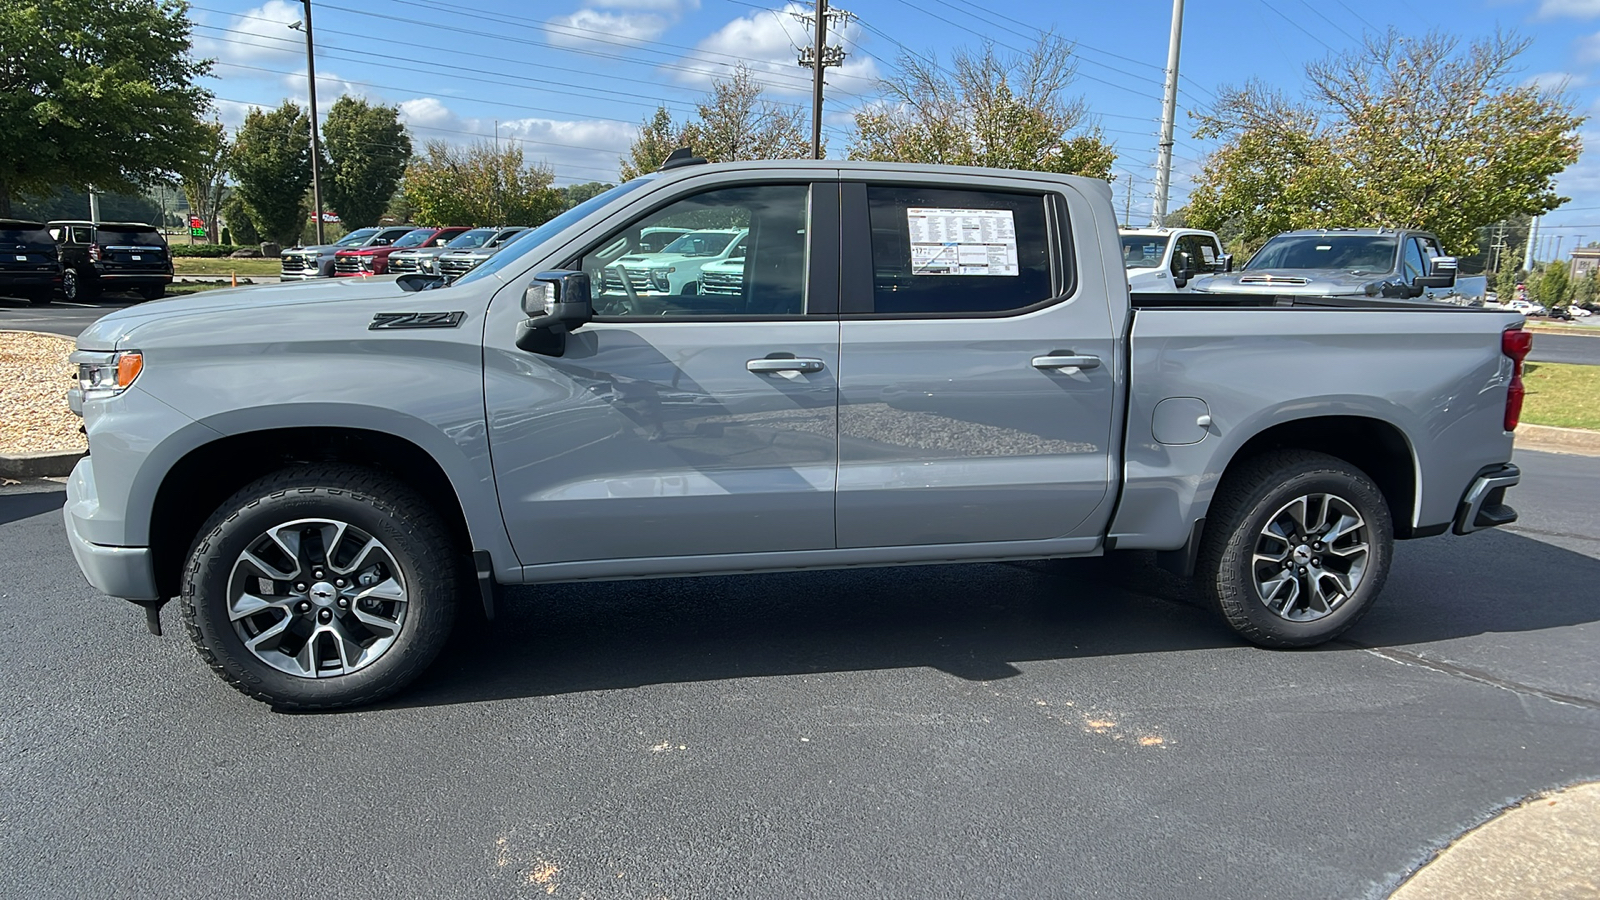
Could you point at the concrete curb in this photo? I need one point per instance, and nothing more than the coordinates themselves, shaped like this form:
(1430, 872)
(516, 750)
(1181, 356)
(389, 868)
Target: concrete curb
(1547, 848)
(1577, 441)
(39, 465)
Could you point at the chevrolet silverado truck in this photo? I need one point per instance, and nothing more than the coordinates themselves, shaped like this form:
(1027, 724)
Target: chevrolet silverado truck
(370, 261)
(316, 261)
(922, 364)
(1170, 259)
(1345, 262)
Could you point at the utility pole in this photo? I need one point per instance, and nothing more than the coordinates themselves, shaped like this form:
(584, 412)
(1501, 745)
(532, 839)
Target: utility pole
(1169, 115)
(1127, 206)
(316, 144)
(818, 57)
(1527, 254)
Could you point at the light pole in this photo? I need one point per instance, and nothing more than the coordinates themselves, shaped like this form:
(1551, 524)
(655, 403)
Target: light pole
(316, 144)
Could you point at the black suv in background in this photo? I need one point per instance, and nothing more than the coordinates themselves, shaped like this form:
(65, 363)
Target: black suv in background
(112, 256)
(30, 265)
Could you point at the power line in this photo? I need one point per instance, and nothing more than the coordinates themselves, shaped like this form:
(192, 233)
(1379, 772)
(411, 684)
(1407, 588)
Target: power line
(1274, 10)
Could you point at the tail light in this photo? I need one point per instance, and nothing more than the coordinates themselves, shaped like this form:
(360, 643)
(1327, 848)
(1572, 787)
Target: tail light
(94, 252)
(1515, 343)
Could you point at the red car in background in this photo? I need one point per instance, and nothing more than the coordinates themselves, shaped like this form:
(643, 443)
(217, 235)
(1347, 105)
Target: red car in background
(375, 260)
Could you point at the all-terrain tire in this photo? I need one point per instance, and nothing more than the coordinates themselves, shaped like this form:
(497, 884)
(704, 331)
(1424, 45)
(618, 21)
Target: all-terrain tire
(1228, 570)
(78, 286)
(410, 532)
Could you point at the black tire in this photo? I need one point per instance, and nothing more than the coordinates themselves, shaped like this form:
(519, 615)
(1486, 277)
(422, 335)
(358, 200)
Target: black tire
(1259, 492)
(79, 286)
(41, 297)
(412, 535)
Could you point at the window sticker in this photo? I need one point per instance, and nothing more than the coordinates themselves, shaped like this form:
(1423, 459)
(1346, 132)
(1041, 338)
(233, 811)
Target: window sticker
(962, 241)
(1208, 252)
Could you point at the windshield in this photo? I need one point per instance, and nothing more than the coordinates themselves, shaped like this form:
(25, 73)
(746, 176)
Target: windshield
(1353, 253)
(470, 239)
(537, 236)
(507, 236)
(414, 238)
(700, 243)
(359, 236)
(1143, 251)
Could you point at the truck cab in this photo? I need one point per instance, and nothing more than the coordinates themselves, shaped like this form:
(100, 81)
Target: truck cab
(1161, 260)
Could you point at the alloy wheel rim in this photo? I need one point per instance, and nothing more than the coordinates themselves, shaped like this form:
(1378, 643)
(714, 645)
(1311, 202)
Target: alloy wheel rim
(69, 284)
(1310, 557)
(317, 598)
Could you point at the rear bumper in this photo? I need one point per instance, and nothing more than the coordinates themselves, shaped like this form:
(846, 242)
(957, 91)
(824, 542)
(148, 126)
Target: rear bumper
(1483, 505)
(125, 572)
(136, 277)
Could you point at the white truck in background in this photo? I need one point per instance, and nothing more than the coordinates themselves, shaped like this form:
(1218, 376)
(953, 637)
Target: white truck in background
(1165, 260)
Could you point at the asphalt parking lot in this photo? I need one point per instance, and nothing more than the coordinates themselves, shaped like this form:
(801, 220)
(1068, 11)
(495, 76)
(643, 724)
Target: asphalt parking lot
(1071, 729)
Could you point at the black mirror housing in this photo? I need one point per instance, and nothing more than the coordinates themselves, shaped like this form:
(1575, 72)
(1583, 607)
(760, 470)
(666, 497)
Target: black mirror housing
(1441, 274)
(557, 302)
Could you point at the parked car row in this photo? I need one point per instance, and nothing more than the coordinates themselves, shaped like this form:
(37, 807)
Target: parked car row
(398, 250)
(80, 259)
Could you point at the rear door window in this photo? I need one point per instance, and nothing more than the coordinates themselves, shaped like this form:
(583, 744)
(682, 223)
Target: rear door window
(20, 236)
(130, 237)
(956, 251)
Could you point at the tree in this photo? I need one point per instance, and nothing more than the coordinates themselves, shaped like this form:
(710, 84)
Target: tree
(272, 161)
(95, 94)
(658, 137)
(66, 203)
(1551, 286)
(733, 122)
(480, 185)
(1406, 132)
(1506, 281)
(1006, 112)
(368, 149)
(240, 227)
(203, 175)
(577, 193)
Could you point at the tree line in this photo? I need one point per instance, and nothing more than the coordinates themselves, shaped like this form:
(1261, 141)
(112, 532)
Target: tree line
(1421, 131)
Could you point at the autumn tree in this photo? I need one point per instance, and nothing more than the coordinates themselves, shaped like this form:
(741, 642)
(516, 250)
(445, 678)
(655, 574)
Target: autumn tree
(480, 185)
(734, 121)
(986, 109)
(368, 149)
(658, 136)
(1419, 132)
(272, 162)
(204, 174)
(95, 94)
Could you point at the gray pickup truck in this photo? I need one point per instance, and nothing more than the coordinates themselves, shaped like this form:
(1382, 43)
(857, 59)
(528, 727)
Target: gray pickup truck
(921, 364)
(1345, 262)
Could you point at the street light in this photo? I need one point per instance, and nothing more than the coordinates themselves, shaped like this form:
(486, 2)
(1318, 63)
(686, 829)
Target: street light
(316, 146)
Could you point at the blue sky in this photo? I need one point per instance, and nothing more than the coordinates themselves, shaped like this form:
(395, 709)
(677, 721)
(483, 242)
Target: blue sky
(571, 79)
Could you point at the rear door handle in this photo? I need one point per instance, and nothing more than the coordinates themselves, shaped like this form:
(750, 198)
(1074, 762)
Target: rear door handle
(784, 364)
(1063, 361)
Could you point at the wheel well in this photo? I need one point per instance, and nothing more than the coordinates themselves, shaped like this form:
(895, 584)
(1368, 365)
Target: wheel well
(1373, 446)
(208, 475)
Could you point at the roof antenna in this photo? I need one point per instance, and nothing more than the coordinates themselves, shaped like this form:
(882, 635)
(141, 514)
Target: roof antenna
(683, 156)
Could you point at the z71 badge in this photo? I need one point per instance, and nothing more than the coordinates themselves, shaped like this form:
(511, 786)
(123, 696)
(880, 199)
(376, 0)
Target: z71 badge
(417, 320)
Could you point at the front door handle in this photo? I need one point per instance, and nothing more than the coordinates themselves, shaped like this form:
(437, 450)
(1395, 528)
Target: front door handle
(1064, 361)
(784, 364)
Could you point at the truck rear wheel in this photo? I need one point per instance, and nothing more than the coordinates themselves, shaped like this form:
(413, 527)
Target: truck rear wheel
(1296, 548)
(321, 587)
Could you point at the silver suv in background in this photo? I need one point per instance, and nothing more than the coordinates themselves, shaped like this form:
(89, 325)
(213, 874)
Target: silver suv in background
(316, 261)
(453, 264)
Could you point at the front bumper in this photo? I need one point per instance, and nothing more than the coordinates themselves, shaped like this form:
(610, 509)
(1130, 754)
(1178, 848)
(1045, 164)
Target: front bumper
(126, 572)
(1484, 503)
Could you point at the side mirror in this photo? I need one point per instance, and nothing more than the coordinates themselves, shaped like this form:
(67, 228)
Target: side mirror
(1225, 263)
(1185, 270)
(557, 302)
(1442, 274)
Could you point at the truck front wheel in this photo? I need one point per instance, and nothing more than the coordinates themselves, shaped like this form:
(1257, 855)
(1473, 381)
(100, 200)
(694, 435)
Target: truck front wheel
(321, 587)
(1296, 548)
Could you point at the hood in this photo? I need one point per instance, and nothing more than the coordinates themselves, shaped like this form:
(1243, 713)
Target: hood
(318, 249)
(1302, 282)
(663, 259)
(108, 332)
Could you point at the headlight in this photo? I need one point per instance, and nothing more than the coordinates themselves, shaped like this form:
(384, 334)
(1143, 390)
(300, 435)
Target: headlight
(102, 375)
(658, 277)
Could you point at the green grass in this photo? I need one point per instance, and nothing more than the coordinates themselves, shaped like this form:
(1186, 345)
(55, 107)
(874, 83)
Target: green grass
(1562, 395)
(197, 266)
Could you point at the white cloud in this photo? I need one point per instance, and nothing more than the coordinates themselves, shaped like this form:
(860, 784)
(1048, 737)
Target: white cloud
(768, 43)
(588, 27)
(257, 35)
(1552, 81)
(1575, 9)
(1588, 49)
(578, 150)
(668, 6)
